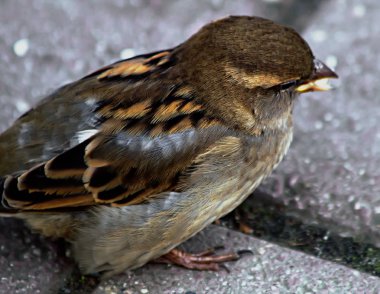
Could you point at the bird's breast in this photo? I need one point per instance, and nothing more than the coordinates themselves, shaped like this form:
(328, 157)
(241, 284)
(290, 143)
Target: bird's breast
(260, 158)
(230, 179)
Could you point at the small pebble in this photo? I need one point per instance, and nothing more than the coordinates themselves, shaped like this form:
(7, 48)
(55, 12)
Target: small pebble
(319, 36)
(127, 53)
(359, 10)
(21, 47)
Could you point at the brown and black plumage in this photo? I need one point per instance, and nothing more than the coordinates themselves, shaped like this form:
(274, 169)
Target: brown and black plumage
(135, 158)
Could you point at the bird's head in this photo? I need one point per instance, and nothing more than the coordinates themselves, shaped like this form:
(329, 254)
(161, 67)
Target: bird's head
(248, 70)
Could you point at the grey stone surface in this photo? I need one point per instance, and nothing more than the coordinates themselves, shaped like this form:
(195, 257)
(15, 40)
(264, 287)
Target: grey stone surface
(332, 170)
(271, 269)
(29, 263)
(331, 175)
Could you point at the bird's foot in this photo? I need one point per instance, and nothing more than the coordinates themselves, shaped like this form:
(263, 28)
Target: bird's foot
(206, 260)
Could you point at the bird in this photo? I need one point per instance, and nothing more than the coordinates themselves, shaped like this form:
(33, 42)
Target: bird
(135, 158)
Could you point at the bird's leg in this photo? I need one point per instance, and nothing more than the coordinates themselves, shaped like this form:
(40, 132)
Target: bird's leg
(205, 260)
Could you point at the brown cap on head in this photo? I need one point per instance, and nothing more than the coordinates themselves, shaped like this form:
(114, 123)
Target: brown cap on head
(253, 45)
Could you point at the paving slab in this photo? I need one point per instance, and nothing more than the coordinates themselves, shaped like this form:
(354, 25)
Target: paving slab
(30, 263)
(35, 267)
(329, 179)
(331, 175)
(271, 269)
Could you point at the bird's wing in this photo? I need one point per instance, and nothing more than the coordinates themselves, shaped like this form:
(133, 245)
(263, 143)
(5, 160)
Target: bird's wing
(65, 117)
(147, 129)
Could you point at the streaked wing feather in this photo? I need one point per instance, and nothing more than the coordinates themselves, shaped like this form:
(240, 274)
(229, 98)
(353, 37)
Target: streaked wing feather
(149, 129)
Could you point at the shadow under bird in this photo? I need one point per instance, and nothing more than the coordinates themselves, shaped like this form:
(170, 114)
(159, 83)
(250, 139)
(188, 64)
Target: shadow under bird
(137, 157)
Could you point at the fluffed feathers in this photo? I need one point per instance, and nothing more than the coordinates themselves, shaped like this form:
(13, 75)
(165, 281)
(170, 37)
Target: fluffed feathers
(135, 158)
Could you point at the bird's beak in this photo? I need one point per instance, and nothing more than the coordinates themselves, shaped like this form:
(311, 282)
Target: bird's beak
(319, 80)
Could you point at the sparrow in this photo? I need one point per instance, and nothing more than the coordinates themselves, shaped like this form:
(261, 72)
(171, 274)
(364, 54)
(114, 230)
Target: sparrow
(132, 160)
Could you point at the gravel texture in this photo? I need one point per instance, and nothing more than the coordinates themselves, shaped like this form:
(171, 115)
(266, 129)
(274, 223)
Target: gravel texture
(271, 269)
(329, 179)
(331, 171)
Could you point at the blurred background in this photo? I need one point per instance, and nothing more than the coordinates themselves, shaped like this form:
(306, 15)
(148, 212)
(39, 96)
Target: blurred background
(323, 199)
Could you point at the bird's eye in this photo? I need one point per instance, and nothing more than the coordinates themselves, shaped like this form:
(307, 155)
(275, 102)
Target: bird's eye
(288, 85)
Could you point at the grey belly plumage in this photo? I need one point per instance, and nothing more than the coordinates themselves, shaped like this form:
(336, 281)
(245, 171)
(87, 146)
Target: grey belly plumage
(110, 240)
